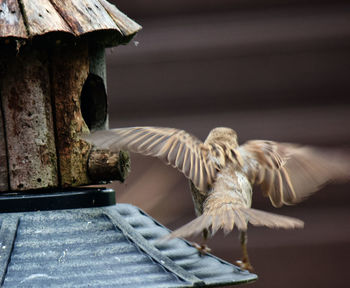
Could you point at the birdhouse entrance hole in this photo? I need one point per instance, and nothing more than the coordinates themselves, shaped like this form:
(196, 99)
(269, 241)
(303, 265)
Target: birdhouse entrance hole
(94, 102)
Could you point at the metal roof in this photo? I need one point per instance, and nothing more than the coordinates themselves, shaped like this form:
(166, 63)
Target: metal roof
(115, 246)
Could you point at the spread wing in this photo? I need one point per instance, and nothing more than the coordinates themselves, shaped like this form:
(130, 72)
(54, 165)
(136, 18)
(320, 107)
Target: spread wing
(175, 147)
(288, 173)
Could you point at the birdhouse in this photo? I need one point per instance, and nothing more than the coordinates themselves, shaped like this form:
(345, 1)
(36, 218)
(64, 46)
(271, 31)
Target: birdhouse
(52, 91)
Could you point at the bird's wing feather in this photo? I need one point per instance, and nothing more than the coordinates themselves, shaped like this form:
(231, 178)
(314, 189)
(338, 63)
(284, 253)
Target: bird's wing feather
(175, 147)
(288, 173)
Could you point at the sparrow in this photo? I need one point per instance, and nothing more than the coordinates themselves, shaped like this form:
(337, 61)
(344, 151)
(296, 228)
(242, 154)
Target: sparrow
(222, 175)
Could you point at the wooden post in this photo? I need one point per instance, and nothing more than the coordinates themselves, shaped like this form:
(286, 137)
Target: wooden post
(70, 68)
(4, 185)
(25, 95)
(3, 156)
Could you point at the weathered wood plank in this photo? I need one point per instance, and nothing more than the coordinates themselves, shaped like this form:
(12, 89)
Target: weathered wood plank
(84, 15)
(29, 125)
(11, 20)
(125, 24)
(71, 16)
(70, 68)
(42, 17)
(3, 156)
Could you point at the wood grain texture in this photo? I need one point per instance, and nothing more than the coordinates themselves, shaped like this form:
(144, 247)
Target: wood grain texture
(104, 165)
(41, 18)
(69, 72)
(11, 20)
(27, 18)
(126, 25)
(84, 16)
(3, 156)
(29, 124)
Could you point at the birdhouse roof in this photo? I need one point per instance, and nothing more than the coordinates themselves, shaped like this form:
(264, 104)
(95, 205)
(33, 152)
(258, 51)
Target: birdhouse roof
(26, 19)
(114, 246)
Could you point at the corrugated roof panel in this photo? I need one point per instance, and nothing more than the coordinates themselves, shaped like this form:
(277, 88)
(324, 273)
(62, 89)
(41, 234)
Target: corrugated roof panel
(208, 268)
(115, 246)
(51, 250)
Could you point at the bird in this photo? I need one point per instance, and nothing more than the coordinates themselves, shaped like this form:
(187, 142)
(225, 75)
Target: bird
(223, 175)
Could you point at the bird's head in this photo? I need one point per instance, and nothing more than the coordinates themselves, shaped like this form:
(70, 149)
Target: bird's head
(222, 135)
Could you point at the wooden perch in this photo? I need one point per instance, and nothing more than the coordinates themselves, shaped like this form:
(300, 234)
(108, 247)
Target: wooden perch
(104, 165)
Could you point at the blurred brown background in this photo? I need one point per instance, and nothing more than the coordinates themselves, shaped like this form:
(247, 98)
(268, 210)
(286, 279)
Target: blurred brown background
(277, 70)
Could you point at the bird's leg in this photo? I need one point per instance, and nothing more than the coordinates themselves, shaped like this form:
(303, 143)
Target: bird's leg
(203, 247)
(244, 263)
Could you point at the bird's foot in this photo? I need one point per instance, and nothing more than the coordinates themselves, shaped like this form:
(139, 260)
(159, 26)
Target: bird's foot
(245, 265)
(202, 248)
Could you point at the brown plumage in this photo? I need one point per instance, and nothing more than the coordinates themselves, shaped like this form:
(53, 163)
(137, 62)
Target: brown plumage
(222, 174)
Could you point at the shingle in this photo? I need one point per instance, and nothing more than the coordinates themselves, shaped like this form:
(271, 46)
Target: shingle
(26, 19)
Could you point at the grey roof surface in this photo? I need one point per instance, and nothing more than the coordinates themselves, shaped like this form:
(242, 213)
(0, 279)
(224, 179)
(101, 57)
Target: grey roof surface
(115, 246)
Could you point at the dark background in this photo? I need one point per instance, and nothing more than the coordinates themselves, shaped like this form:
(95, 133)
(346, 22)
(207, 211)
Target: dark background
(277, 70)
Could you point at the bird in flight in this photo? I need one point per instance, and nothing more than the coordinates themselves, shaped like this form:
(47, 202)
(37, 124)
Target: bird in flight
(222, 175)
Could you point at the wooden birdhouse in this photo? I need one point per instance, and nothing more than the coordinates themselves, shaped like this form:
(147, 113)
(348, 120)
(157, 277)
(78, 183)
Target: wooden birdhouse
(53, 89)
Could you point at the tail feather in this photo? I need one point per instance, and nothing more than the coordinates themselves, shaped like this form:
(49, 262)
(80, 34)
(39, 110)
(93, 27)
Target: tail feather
(230, 216)
(229, 222)
(262, 218)
(192, 228)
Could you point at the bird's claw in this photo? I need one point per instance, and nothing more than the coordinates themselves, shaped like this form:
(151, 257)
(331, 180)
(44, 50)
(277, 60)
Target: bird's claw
(202, 248)
(245, 265)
